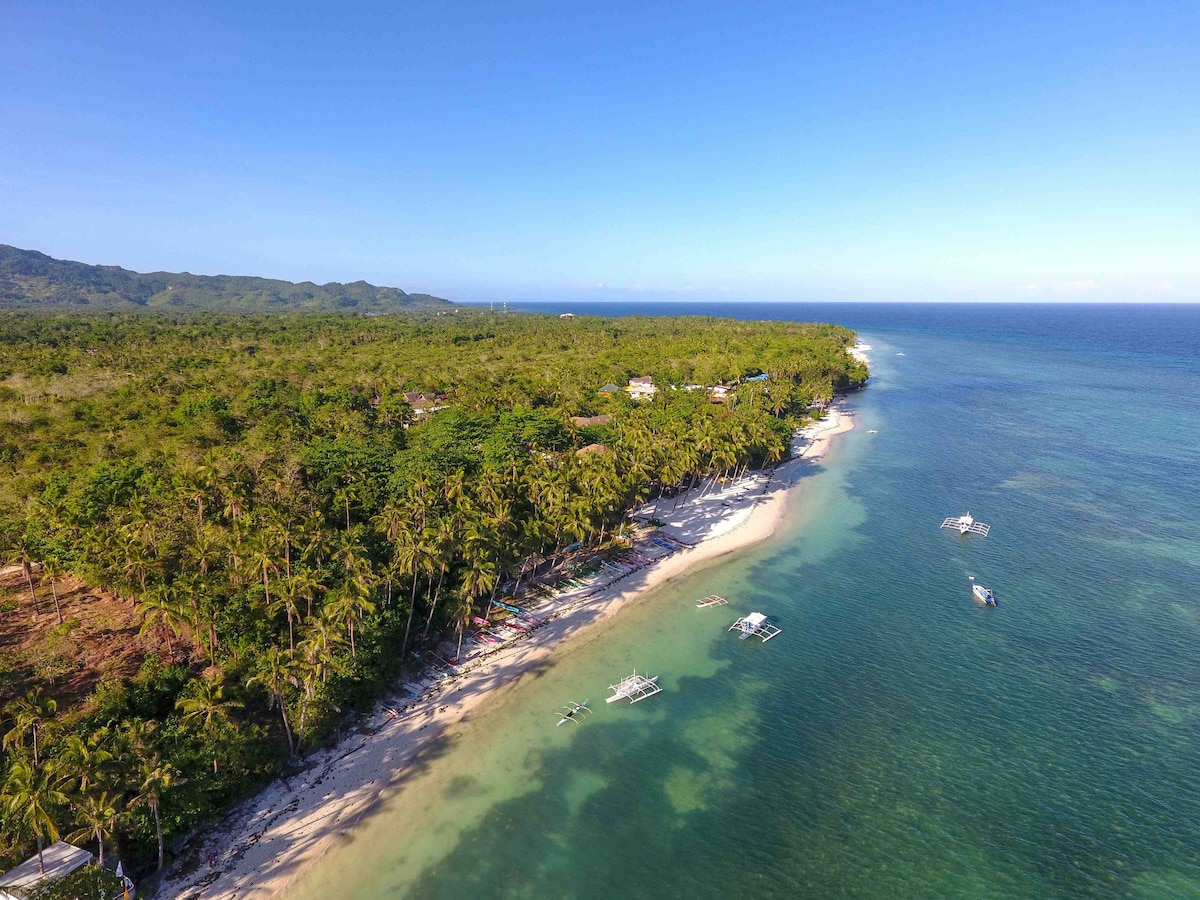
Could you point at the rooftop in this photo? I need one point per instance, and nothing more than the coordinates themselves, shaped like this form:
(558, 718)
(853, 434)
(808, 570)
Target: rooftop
(60, 859)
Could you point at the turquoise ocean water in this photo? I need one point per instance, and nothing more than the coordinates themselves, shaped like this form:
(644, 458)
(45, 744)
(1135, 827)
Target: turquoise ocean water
(897, 740)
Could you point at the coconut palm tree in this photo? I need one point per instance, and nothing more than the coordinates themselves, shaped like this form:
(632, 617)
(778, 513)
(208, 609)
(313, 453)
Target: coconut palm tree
(31, 714)
(348, 605)
(442, 540)
(21, 549)
(156, 777)
(276, 672)
(209, 707)
(52, 569)
(83, 765)
(160, 607)
(32, 803)
(96, 816)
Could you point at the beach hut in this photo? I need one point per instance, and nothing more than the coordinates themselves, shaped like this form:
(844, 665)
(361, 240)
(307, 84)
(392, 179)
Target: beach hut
(59, 860)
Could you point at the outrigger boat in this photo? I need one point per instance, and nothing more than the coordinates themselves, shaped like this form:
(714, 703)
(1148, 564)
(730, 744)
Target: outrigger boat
(965, 524)
(711, 600)
(755, 625)
(982, 594)
(573, 712)
(633, 688)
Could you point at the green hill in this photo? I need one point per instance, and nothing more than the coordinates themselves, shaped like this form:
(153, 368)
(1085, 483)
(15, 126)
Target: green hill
(33, 280)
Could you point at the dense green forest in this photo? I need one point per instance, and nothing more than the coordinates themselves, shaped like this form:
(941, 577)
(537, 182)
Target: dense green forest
(291, 528)
(29, 279)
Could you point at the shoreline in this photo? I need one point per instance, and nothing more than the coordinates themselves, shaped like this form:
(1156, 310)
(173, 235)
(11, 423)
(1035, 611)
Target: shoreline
(269, 841)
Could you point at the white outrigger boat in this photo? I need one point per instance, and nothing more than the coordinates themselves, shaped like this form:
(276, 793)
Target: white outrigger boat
(711, 600)
(633, 688)
(983, 594)
(573, 712)
(965, 524)
(755, 625)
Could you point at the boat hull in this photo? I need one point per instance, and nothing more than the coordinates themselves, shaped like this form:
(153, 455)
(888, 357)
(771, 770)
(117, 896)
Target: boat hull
(983, 595)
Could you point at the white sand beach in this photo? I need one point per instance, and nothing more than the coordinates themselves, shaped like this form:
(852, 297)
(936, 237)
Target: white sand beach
(267, 842)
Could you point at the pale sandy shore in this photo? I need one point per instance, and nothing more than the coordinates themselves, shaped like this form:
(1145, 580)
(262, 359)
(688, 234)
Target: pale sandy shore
(268, 842)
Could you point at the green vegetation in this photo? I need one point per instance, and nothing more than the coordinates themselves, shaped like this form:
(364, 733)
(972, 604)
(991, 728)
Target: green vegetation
(29, 279)
(292, 528)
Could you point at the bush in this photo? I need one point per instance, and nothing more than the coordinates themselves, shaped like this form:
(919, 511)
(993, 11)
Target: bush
(88, 883)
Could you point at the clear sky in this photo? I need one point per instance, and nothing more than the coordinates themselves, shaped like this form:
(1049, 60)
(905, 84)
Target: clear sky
(506, 150)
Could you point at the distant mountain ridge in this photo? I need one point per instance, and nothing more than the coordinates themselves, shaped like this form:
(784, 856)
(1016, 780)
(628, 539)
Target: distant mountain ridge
(33, 280)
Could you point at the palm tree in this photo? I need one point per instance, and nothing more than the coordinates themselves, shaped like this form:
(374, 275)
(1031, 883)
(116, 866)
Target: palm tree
(478, 579)
(258, 556)
(160, 607)
(96, 816)
(276, 671)
(209, 707)
(32, 801)
(348, 605)
(83, 765)
(443, 542)
(31, 714)
(156, 778)
(52, 569)
(21, 550)
(409, 558)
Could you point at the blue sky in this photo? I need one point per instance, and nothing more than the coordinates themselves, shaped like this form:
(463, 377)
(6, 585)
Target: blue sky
(558, 151)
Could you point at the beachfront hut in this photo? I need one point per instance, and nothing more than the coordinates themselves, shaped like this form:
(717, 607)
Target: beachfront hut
(60, 859)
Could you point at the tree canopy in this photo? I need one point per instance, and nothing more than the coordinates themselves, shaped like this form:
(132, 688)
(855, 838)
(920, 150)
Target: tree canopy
(295, 502)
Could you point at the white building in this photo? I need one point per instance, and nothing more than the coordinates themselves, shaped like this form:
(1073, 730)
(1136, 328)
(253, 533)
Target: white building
(641, 388)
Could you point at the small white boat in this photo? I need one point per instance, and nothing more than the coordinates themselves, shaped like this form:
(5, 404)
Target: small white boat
(899, 354)
(573, 712)
(983, 594)
(755, 625)
(633, 688)
(966, 524)
(711, 600)
(873, 431)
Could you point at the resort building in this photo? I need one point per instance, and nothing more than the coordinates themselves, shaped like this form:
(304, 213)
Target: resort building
(641, 387)
(424, 403)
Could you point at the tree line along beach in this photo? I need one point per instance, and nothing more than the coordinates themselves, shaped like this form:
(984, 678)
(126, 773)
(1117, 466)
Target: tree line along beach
(233, 535)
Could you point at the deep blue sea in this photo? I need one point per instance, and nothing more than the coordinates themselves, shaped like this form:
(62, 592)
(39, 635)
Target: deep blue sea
(897, 740)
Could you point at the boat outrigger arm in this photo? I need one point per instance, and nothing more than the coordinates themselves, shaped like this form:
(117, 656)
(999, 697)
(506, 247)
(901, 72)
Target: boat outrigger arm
(965, 524)
(573, 712)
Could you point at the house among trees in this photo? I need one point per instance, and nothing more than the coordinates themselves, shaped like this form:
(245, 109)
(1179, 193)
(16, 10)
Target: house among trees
(719, 393)
(591, 448)
(584, 421)
(59, 860)
(424, 403)
(610, 389)
(642, 387)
